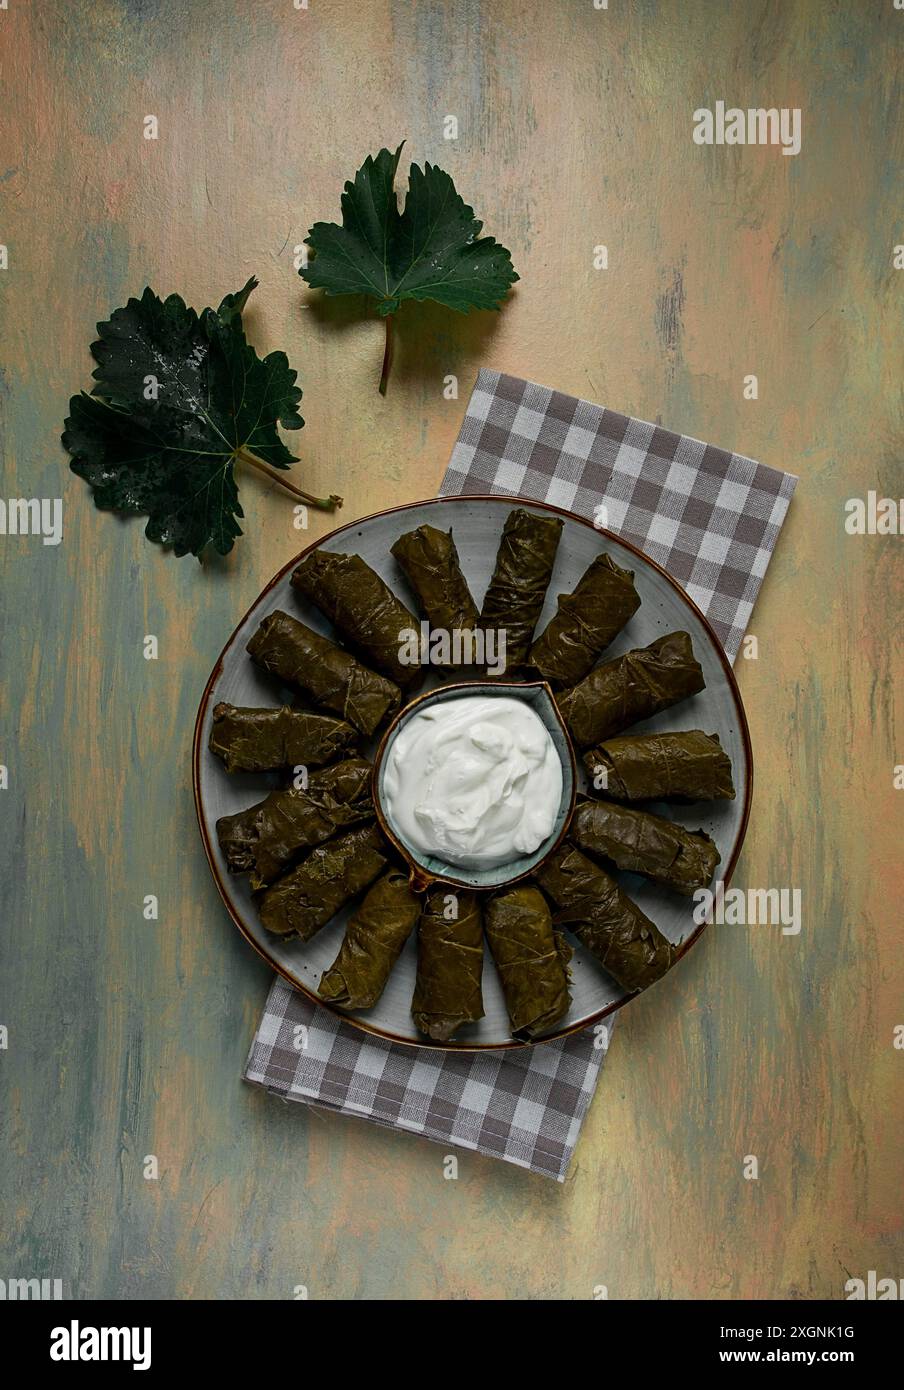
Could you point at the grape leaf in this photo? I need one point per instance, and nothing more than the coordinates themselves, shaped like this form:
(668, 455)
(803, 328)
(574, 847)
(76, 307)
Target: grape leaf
(431, 250)
(178, 397)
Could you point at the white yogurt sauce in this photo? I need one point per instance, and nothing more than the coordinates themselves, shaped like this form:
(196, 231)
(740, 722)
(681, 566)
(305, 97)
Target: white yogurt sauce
(476, 781)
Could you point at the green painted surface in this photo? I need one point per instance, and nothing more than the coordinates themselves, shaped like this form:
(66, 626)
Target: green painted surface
(127, 1037)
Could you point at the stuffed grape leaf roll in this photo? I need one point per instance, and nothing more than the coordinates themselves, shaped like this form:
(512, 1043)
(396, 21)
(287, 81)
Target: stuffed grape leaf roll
(327, 675)
(263, 740)
(642, 843)
(605, 920)
(266, 838)
(635, 686)
(517, 589)
(585, 622)
(374, 937)
(689, 766)
(364, 610)
(305, 898)
(449, 964)
(531, 959)
(429, 560)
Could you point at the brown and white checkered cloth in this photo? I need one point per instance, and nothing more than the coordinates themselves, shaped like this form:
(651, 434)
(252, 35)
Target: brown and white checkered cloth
(711, 519)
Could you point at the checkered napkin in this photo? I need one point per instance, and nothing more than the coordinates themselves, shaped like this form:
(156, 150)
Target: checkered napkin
(711, 519)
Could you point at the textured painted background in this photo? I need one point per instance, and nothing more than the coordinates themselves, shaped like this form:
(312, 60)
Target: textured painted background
(127, 1037)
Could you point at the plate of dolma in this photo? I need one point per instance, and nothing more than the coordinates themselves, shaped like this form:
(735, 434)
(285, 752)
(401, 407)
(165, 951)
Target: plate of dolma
(314, 675)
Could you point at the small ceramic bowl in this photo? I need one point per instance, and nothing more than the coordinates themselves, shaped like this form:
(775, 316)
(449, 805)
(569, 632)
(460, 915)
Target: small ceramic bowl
(426, 870)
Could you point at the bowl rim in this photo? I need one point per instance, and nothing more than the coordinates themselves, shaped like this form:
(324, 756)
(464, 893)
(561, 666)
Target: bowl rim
(421, 879)
(510, 500)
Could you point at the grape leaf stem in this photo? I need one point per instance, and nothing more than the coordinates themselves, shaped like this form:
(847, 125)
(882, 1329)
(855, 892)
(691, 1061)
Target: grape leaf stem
(387, 355)
(323, 504)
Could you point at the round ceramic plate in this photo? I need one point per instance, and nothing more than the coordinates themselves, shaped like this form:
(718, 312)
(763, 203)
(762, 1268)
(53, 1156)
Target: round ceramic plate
(476, 524)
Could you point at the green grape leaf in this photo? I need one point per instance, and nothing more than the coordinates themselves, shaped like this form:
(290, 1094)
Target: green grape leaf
(178, 396)
(431, 250)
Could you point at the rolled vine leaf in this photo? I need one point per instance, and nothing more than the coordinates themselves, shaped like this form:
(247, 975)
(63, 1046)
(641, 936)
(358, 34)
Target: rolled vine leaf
(447, 992)
(531, 959)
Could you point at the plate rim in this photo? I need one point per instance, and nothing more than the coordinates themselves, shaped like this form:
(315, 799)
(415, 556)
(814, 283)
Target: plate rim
(496, 497)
